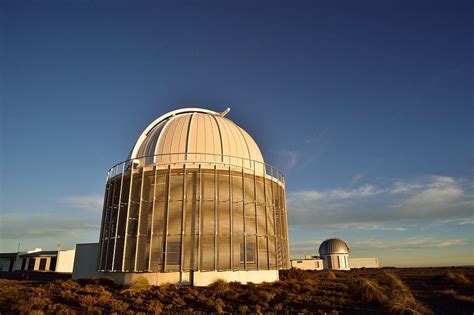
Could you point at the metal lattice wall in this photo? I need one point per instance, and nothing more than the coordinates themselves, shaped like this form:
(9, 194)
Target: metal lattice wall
(193, 218)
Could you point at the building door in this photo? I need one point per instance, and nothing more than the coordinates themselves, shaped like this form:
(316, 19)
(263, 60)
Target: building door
(52, 263)
(10, 268)
(42, 265)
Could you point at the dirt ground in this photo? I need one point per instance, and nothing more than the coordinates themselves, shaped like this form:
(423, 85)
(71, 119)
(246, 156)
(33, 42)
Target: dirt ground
(363, 291)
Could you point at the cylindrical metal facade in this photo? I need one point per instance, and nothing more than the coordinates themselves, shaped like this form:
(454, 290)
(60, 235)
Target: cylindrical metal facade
(195, 216)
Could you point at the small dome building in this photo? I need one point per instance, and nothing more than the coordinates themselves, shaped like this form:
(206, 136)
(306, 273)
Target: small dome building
(193, 203)
(335, 254)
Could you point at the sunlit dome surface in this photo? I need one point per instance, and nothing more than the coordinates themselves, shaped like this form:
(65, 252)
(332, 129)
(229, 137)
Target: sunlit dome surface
(333, 246)
(195, 134)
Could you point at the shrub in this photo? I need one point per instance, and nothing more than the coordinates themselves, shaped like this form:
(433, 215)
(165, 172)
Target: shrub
(219, 286)
(219, 306)
(117, 306)
(244, 309)
(155, 307)
(278, 307)
(68, 284)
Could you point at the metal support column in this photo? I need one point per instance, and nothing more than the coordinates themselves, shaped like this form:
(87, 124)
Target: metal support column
(128, 217)
(155, 171)
(103, 221)
(274, 220)
(139, 219)
(199, 219)
(256, 217)
(165, 235)
(286, 222)
(119, 206)
(266, 215)
(231, 223)
(111, 213)
(244, 220)
(183, 230)
(215, 217)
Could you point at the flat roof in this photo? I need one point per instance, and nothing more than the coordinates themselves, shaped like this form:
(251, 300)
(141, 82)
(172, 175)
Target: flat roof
(40, 253)
(8, 255)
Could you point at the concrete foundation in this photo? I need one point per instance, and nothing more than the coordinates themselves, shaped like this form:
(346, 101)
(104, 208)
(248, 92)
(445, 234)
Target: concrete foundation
(196, 278)
(85, 266)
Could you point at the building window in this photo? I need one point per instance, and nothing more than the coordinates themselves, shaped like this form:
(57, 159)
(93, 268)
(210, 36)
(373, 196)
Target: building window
(299, 261)
(339, 262)
(31, 264)
(23, 264)
(42, 265)
(52, 263)
(250, 253)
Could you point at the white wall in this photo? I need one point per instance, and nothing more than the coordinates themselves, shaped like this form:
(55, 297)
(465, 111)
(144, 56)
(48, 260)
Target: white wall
(65, 260)
(85, 261)
(307, 264)
(369, 262)
(336, 261)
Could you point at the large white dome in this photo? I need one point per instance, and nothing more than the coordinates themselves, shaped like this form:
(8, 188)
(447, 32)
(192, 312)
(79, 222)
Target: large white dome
(196, 135)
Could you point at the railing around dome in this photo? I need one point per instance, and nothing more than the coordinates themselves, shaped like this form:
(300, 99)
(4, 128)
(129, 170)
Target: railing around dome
(210, 159)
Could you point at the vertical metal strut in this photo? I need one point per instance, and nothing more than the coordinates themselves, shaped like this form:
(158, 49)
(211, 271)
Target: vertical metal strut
(165, 238)
(119, 206)
(150, 252)
(128, 218)
(139, 218)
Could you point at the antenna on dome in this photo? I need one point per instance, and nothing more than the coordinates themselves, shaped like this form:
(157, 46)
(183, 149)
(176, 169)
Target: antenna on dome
(227, 110)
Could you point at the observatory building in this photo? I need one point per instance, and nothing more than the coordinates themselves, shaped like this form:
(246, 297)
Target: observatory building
(194, 202)
(335, 254)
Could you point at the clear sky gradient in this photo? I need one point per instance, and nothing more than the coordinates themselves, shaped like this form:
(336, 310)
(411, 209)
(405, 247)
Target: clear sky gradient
(366, 106)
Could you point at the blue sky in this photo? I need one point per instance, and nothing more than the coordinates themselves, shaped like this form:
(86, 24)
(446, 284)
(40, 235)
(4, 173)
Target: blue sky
(366, 107)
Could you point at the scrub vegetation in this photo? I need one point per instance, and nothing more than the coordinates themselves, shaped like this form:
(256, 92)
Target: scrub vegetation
(371, 291)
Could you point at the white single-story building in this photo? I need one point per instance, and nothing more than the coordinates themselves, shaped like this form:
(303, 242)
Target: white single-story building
(308, 263)
(38, 260)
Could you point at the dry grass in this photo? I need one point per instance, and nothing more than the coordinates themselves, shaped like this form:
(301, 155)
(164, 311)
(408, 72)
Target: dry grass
(138, 284)
(458, 278)
(331, 275)
(459, 297)
(391, 293)
(371, 292)
(401, 291)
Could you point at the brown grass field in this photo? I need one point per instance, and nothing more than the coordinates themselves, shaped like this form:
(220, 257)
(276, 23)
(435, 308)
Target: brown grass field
(364, 291)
